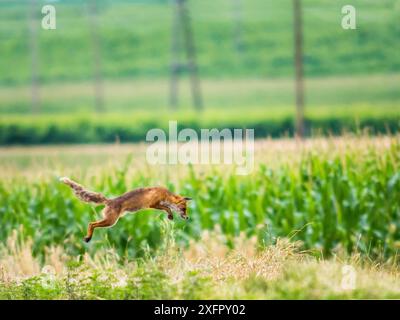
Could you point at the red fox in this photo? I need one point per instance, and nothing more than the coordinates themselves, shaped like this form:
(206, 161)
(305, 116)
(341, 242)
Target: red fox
(142, 198)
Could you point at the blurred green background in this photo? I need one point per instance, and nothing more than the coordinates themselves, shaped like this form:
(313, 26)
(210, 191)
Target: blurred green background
(245, 62)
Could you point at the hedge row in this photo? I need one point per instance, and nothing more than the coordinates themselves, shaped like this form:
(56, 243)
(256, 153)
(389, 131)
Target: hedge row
(84, 131)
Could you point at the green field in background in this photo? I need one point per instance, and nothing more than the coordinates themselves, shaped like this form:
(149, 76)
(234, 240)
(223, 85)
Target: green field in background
(334, 105)
(352, 77)
(135, 39)
(330, 94)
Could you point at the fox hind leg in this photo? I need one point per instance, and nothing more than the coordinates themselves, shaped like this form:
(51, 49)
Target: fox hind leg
(110, 217)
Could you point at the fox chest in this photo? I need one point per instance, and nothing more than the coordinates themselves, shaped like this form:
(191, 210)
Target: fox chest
(134, 205)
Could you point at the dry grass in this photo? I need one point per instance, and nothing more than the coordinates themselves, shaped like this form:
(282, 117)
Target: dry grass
(247, 271)
(211, 257)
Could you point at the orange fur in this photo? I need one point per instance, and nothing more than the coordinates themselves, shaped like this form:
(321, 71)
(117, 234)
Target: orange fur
(142, 198)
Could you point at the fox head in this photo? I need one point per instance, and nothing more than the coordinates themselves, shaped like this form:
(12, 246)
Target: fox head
(181, 203)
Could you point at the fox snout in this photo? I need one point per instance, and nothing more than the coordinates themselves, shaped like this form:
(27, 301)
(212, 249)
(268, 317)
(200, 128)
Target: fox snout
(183, 209)
(184, 216)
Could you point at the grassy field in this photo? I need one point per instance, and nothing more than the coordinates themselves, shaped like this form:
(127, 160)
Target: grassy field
(340, 95)
(310, 210)
(334, 105)
(128, 30)
(206, 269)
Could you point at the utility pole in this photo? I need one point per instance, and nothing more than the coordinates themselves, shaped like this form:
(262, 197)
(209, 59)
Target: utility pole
(97, 67)
(237, 30)
(175, 65)
(34, 50)
(182, 28)
(298, 58)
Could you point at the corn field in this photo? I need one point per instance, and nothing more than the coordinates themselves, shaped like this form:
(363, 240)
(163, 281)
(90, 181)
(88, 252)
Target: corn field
(337, 195)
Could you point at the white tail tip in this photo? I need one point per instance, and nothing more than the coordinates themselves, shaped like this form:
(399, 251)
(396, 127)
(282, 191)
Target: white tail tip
(64, 179)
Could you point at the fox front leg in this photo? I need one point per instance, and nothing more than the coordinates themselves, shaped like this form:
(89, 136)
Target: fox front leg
(171, 206)
(167, 210)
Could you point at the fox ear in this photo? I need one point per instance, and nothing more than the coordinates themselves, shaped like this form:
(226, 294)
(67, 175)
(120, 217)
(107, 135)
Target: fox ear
(187, 198)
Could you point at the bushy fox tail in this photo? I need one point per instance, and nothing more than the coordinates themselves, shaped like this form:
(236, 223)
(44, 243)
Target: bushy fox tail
(83, 194)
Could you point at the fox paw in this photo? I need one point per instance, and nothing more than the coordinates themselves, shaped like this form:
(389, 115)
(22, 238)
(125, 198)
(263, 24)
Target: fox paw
(170, 217)
(86, 239)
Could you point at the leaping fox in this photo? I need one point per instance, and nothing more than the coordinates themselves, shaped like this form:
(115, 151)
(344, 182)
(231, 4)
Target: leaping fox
(142, 198)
